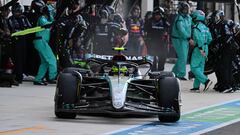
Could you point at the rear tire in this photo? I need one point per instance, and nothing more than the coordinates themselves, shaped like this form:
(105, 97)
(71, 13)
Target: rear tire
(168, 97)
(66, 93)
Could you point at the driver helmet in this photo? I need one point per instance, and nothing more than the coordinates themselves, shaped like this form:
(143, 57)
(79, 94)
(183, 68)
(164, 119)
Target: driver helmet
(183, 8)
(198, 15)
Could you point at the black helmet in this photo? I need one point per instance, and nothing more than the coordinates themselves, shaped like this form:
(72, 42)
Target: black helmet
(183, 7)
(72, 3)
(110, 9)
(45, 10)
(218, 16)
(148, 15)
(233, 26)
(159, 11)
(103, 14)
(118, 18)
(17, 8)
(37, 5)
(230, 24)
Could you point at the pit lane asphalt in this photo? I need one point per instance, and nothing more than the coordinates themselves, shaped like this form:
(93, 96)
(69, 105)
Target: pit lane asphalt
(29, 109)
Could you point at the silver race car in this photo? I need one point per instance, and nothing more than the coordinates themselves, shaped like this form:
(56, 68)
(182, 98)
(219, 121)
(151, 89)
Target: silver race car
(117, 86)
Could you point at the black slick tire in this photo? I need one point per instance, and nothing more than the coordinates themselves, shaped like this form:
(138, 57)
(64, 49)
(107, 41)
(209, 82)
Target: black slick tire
(66, 93)
(168, 97)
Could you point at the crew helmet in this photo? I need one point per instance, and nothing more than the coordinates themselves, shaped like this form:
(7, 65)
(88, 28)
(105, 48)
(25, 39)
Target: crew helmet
(37, 6)
(183, 8)
(103, 14)
(159, 11)
(118, 18)
(17, 8)
(198, 15)
(233, 26)
(148, 15)
(72, 3)
(218, 16)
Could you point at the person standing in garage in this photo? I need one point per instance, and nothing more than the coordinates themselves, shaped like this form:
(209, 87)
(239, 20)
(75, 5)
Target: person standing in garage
(202, 38)
(18, 22)
(48, 60)
(135, 26)
(156, 31)
(181, 36)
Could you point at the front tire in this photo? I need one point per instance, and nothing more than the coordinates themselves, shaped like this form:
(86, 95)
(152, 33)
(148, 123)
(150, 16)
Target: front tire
(168, 97)
(66, 93)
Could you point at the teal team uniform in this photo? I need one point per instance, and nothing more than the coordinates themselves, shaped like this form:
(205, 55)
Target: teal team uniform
(48, 60)
(181, 34)
(202, 37)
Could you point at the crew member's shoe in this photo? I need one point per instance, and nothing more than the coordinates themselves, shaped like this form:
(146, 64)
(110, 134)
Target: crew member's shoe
(208, 83)
(39, 83)
(216, 87)
(52, 82)
(195, 90)
(190, 75)
(192, 89)
(182, 78)
(228, 90)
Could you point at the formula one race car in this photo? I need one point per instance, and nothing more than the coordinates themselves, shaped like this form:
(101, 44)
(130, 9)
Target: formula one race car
(117, 87)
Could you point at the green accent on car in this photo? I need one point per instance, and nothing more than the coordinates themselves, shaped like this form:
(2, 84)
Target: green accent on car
(122, 69)
(119, 48)
(82, 64)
